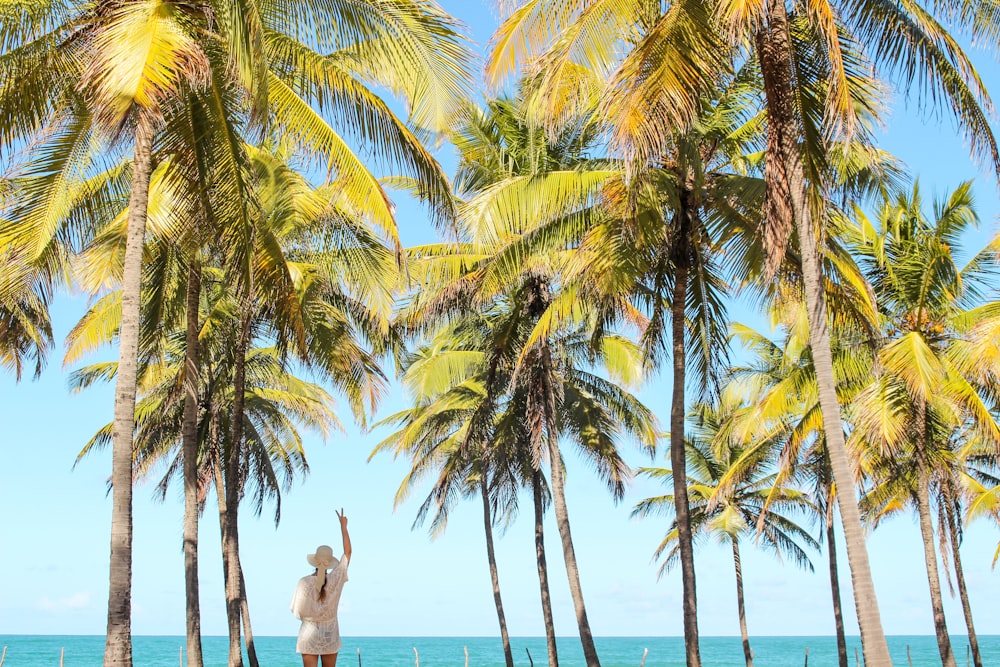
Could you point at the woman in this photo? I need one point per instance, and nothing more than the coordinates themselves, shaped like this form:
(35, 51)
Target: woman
(315, 603)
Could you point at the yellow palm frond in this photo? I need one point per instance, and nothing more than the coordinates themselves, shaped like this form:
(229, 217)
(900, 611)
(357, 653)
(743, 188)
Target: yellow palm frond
(97, 328)
(357, 188)
(984, 501)
(623, 360)
(440, 370)
(241, 26)
(416, 50)
(659, 87)
(512, 206)
(841, 116)
(882, 416)
(525, 33)
(99, 267)
(141, 54)
(582, 56)
(741, 17)
(978, 354)
(727, 522)
(913, 361)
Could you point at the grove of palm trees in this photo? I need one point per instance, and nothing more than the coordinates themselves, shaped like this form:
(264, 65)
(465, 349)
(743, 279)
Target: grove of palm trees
(659, 251)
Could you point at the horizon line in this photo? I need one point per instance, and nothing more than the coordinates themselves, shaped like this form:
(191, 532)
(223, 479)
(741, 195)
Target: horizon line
(572, 637)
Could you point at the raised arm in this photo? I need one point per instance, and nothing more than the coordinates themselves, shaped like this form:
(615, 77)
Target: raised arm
(344, 534)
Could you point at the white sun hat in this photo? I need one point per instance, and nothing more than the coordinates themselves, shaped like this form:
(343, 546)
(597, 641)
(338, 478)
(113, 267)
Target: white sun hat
(323, 558)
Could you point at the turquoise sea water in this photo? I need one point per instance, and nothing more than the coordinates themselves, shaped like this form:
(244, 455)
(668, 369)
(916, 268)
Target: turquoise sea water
(86, 651)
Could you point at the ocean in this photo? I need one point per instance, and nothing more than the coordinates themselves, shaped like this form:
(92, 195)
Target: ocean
(87, 650)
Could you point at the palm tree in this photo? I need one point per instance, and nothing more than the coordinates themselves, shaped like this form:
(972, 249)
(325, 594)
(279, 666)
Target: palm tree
(25, 327)
(279, 405)
(450, 378)
(662, 62)
(888, 498)
(789, 176)
(128, 57)
(509, 167)
(926, 301)
(276, 401)
(755, 507)
(663, 241)
(779, 382)
(444, 381)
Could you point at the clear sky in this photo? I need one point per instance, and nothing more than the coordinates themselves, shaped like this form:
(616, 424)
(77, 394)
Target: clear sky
(55, 520)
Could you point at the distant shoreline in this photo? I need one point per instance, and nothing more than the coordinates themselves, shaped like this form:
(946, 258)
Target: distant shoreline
(563, 637)
(487, 651)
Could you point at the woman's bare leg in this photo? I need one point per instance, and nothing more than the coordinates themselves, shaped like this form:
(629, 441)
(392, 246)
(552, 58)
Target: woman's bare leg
(330, 659)
(310, 660)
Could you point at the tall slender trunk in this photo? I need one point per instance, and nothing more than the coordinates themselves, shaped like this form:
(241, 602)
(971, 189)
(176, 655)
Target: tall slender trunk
(118, 645)
(963, 591)
(545, 397)
(233, 487)
(569, 554)
(838, 615)
(678, 455)
(543, 570)
(189, 435)
(494, 574)
(784, 174)
(927, 534)
(740, 606)
(245, 613)
(220, 494)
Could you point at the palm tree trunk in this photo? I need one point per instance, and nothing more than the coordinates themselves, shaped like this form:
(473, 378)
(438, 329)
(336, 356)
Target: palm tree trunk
(927, 533)
(569, 554)
(543, 570)
(838, 615)
(785, 178)
(866, 603)
(245, 613)
(494, 574)
(545, 390)
(740, 606)
(118, 645)
(678, 455)
(233, 479)
(220, 494)
(963, 591)
(189, 435)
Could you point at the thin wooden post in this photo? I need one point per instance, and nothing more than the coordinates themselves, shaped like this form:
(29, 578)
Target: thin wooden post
(181, 656)
(416, 655)
(857, 658)
(359, 656)
(807, 657)
(3, 655)
(644, 654)
(62, 654)
(909, 658)
(529, 656)
(968, 655)
(466, 648)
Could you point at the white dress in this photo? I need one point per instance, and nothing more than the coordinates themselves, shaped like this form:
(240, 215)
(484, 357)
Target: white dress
(320, 633)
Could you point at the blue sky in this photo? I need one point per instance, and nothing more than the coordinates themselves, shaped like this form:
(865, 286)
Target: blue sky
(55, 519)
